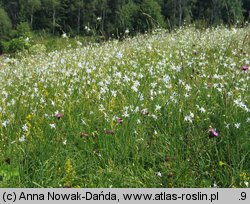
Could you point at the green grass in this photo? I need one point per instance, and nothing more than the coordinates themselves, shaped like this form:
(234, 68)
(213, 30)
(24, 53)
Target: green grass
(153, 83)
(52, 43)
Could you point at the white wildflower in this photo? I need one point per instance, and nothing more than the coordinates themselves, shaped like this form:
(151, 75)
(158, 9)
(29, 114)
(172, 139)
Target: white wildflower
(159, 174)
(119, 55)
(157, 108)
(166, 79)
(188, 87)
(22, 139)
(237, 125)
(202, 110)
(52, 125)
(64, 35)
(25, 128)
(5, 123)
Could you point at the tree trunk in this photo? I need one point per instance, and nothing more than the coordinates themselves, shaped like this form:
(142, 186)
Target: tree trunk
(54, 20)
(31, 16)
(228, 14)
(175, 6)
(180, 12)
(102, 25)
(78, 20)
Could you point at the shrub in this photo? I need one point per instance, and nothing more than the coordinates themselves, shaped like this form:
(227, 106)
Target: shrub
(21, 39)
(18, 44)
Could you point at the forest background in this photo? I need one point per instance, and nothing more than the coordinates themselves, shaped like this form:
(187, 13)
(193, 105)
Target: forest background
(22, 21)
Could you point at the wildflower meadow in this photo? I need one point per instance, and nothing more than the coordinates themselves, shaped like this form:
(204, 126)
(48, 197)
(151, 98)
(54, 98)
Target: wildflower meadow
(167, 109)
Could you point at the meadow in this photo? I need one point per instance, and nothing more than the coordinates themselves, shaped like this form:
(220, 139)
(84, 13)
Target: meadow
(156, 110)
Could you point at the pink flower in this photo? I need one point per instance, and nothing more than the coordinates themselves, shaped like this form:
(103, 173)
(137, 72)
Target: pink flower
(245, 67)
(213, 133)
(84, 134)
(119, 120)
(58, 115)
(109, 132)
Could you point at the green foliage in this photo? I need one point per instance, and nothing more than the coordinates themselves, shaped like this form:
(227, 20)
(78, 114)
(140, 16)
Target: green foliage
(151, 12)
(141, 17)
(28, 8)
(59, 16)
(7, 173)
(18, 44)
(127, 17)
(234, 9)
(23, 30)
(5, 29)
(21, 39)
(5, 23)
(116, 18)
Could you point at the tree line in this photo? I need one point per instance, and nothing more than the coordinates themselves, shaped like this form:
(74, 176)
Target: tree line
(116, 17)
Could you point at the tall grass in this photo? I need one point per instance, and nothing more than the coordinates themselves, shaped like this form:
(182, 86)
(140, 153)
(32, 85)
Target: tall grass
(139, 113)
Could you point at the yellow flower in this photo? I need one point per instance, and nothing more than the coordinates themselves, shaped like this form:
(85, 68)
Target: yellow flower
(28, 117)
(221, 163)
(69, 168)
(244, 176)
(70, 173)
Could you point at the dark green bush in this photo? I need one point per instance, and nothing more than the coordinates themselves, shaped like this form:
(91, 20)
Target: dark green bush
(17, 40)
(18, 44)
